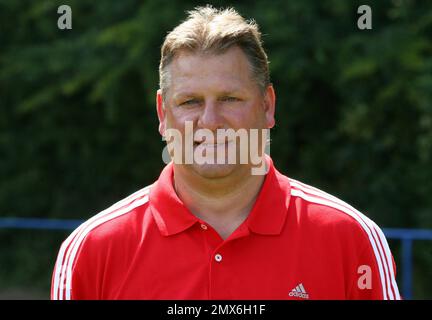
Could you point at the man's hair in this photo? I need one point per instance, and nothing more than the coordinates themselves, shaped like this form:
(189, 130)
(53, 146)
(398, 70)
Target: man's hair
(209, 30)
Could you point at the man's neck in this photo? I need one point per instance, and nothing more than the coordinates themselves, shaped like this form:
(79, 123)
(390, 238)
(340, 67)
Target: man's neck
(223, 203)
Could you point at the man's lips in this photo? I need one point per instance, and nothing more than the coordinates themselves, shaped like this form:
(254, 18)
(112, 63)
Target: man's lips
(211, 144)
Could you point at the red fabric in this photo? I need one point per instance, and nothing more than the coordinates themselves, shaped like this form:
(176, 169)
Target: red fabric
(157, 249)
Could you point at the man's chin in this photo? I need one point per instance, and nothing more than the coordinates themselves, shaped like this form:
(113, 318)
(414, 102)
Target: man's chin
(214, 171)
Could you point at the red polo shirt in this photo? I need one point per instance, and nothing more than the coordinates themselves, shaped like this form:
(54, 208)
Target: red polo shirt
(297, 243)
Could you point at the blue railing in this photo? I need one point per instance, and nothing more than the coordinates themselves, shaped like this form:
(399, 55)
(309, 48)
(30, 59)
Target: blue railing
(407, 236)
(34, 223)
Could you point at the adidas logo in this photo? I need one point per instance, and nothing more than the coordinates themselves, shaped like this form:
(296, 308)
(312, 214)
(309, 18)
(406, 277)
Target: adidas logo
(299, 292)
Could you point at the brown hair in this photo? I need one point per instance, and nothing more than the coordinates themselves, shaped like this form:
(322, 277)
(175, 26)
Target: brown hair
(211, 30)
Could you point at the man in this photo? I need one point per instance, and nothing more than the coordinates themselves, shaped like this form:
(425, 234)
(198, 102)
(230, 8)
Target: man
(213, 229)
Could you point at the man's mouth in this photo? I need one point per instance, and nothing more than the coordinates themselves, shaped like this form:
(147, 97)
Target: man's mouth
(211, 144)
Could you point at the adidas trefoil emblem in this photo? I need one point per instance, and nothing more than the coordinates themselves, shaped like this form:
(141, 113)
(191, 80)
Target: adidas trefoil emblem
(299, 292)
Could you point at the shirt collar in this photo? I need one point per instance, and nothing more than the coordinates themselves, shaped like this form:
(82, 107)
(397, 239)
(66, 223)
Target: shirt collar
(267, 216)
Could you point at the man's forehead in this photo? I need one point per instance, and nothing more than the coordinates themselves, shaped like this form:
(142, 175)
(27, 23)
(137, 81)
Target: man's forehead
(187, 61)
(230, 70)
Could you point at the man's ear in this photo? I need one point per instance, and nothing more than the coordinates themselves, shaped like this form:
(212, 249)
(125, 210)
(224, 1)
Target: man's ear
(269, 106)
(160, 112)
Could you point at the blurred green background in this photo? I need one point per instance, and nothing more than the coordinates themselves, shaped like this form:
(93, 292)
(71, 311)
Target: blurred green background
(78, 126)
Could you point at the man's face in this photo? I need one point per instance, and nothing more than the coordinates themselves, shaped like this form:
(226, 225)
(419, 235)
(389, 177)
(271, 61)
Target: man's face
(214, 92)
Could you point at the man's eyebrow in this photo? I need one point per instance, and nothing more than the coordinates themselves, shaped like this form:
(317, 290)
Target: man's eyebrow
(230, 92)
(191, 94)
(183, 95)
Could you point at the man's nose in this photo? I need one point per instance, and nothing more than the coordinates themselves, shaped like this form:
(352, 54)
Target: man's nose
(210, 117)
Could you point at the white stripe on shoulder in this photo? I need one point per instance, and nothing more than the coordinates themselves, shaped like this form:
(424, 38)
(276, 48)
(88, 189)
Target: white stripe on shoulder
(378, 236)
(375, 235)
(69, 244)
(87, 230)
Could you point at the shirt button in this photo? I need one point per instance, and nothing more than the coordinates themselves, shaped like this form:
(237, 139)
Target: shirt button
(218, 257)
(203, 226)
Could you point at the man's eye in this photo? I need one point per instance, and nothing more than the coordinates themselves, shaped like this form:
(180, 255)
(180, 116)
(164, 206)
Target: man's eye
(189, 102)
(230, 99)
